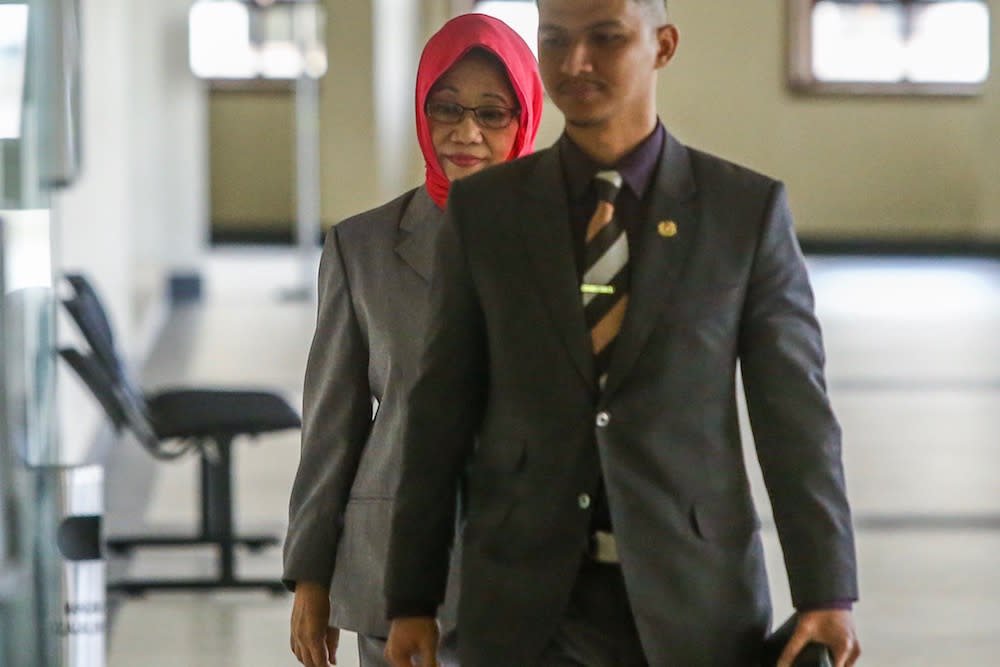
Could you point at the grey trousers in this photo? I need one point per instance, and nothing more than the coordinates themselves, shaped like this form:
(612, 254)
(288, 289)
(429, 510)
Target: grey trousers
(598, 629)
(371, 651)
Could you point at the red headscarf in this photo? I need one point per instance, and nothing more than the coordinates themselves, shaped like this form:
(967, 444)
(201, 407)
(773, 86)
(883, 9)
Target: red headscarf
(456, 38)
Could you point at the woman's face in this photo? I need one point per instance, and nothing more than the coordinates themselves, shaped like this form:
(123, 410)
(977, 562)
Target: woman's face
(466, 142)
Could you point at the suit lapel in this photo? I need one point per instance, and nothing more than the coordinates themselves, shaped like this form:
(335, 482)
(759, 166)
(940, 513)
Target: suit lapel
(418, 229)
(549, 244)
(663, 249)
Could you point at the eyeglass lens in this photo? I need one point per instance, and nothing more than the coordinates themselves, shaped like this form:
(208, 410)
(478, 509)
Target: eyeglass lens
(489, 116)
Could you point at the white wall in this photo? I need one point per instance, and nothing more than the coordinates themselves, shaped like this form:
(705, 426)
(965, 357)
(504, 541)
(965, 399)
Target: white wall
(396, 45)
(181, 236)
(857, 167)
(168, 155)
(138, 213)
(90, 222)
(91, 218)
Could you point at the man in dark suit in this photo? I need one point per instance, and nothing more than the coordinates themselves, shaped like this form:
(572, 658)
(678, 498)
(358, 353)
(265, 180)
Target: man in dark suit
(579, 383)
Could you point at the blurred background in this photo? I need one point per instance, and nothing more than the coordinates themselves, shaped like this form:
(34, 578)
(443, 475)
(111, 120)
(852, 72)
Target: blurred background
(187, 158)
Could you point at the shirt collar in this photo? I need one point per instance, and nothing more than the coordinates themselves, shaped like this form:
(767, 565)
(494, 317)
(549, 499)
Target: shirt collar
(636, 167)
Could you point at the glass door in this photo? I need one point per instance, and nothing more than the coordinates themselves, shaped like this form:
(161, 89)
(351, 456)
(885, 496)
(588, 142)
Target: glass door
(39, 152)
(16, 202)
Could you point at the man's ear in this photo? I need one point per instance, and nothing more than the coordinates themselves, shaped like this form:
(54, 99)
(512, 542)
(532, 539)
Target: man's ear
(667, 37)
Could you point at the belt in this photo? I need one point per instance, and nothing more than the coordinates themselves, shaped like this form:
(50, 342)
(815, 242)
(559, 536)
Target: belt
(603, 547)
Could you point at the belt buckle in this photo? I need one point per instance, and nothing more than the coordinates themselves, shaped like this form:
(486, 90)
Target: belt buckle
(603, 547)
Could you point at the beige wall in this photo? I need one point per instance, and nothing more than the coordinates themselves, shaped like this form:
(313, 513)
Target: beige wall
(855, 167)
(869, 168)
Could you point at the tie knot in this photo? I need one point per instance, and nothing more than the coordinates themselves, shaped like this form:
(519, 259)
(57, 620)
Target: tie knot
(607, 183)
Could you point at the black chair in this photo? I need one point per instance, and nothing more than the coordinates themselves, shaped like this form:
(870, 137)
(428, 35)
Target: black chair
(168, 424)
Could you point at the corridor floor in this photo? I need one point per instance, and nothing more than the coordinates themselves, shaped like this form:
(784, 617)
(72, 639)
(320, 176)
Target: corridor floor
(913, 349)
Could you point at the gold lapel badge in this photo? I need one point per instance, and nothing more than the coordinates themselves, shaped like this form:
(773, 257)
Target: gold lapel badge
(667, 229)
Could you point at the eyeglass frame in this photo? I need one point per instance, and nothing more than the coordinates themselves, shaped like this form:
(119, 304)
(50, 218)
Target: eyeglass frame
(513, 113)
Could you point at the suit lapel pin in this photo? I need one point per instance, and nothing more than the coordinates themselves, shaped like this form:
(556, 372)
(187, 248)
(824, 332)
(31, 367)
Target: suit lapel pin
(667, 229)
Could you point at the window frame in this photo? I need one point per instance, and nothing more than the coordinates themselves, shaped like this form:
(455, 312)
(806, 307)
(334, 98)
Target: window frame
(802, 80)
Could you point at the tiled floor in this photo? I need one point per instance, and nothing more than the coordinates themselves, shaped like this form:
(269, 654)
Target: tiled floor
(914, 373)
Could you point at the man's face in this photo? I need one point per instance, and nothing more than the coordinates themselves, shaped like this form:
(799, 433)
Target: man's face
(598, 58)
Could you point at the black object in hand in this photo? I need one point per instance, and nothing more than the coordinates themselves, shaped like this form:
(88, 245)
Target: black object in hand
(813, 654)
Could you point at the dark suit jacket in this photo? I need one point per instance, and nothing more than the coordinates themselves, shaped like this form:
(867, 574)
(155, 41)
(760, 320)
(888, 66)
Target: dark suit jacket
(507, 363)
(373, 284)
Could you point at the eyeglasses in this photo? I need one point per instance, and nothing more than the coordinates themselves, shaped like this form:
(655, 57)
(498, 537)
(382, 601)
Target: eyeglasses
(489, 117)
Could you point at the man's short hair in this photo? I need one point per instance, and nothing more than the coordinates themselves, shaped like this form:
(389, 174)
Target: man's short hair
(657, 5)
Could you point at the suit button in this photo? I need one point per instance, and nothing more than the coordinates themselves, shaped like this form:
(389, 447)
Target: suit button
(583, 500)
(603, 419)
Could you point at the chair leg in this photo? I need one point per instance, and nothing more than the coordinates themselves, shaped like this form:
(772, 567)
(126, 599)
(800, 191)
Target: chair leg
(217, 527)
(217, 505)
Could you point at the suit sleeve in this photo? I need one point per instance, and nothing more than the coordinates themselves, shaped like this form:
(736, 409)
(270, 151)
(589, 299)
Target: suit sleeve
(796, 434)
(444, 410)
(336, 421)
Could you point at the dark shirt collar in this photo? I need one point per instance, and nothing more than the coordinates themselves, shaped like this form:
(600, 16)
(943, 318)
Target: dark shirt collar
(637, 167)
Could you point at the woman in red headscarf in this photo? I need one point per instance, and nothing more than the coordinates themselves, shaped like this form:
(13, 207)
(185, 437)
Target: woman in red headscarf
(478, 103)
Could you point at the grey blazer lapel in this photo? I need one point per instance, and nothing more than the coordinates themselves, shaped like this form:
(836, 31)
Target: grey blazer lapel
(418, 229)
(544, 229)
(663, 251)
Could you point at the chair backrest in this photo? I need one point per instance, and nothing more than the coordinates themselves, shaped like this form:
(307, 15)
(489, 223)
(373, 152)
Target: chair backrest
(86, 309)
(102, 370)
(92, 372)
(123, 412)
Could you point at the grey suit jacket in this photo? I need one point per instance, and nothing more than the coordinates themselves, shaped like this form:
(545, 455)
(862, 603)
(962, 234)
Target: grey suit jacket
(373, 284)
(507, 394)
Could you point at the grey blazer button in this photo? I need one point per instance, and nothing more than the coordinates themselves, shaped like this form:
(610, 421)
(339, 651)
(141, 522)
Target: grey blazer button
(603, 419)
(583, 500)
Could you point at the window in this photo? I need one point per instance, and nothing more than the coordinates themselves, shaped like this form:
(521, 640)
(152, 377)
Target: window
(13, 40)
(923, 47)
(521, 15)
(236, 41)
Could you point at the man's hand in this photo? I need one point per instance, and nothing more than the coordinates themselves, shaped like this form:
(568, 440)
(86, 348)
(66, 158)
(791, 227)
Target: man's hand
(314, 642)
(833, 627)
(413, 638)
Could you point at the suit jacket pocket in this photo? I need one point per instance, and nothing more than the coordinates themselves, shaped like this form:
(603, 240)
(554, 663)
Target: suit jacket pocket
(490, 477)
(724, 524)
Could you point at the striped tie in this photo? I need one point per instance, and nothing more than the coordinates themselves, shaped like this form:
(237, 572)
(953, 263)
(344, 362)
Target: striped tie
(605, 277)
